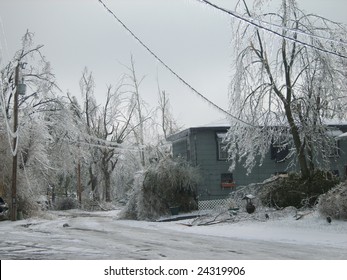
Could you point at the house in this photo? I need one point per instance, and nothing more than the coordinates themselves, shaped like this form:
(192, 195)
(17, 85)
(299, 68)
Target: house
(203, 147)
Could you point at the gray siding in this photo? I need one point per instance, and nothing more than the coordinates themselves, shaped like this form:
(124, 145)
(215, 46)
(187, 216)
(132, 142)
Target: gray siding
(206, 158)
(180, 148)
(340, 162)
(200, 147)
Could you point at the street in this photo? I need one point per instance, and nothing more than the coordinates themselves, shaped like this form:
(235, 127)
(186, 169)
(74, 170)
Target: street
(100, 237)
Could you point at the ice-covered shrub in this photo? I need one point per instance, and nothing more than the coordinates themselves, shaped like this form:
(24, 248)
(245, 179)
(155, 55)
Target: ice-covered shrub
(334, 202)
(162, 185)
(66, 203)
(27, 205)
(295, 191)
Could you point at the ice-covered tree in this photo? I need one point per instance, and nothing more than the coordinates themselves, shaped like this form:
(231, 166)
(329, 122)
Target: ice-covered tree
(290, 71)
(141, 115)
(167, 122)
(67, 131)
(151, 125)
(30, 141)
(107, 128)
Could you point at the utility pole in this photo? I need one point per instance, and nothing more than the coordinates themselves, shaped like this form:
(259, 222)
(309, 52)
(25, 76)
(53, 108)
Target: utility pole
(20, 90)
(79, 185)
(14, 148)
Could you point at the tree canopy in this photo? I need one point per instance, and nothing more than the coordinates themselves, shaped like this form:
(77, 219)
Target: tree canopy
(286, 84)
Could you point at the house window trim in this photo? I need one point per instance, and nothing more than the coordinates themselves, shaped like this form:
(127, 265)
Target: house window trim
(335, 153)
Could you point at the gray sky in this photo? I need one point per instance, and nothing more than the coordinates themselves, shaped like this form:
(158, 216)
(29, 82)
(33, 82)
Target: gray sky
(191, 38)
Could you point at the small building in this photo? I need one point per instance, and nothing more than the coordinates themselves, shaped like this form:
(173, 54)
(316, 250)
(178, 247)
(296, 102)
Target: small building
(203, 147)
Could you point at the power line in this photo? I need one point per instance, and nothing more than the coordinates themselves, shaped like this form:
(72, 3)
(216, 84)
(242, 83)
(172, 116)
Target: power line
(251, 21)
(170, 69)
(110, 147)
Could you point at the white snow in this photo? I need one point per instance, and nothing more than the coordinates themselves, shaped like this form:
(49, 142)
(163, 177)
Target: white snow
(312, 229)
(101, 235)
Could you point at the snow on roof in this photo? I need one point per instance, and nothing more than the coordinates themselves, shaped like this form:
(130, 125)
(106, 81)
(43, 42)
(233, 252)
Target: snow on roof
(335, 133)
(342, 136)
(224, 122)
(332, 122)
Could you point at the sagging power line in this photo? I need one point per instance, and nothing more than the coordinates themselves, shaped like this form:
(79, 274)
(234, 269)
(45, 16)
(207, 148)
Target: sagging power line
(169, 68)
(251, 21)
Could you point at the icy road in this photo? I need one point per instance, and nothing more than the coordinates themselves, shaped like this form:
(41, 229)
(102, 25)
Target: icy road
(99, 235)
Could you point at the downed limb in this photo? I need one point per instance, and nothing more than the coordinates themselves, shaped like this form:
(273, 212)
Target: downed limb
(220, 217)
(300, 215)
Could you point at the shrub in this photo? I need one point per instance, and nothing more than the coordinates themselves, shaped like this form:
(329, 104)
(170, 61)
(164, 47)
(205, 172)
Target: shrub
(295, 191)
(163, 185)
(66, 203)
(334, 202)
(27, 206)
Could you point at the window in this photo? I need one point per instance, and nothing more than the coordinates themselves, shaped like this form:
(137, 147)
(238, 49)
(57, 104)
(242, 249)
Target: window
(335, 173)
(227, 180)
(221, 147)
(335, 150)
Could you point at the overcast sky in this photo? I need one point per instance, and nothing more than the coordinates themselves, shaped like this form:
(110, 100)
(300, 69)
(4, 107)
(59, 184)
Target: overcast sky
(191, 38)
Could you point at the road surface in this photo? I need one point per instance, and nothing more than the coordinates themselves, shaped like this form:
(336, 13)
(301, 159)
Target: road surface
(88, 236)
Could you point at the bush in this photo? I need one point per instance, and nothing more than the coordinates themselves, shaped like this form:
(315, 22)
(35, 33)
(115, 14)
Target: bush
(162, 185)
(295, 191)
(27, 204)
(334, 202)
(66, 203)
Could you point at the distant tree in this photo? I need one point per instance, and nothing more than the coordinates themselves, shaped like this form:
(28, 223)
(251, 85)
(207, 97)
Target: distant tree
(167, 122)
(151, 126)
(165, 125)
(67, 131)
(89, 119)
(115, 128)
(141, 115)
(107, 127)
(286, 88)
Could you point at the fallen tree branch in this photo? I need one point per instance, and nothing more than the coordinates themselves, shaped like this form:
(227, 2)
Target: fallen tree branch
(298, 216)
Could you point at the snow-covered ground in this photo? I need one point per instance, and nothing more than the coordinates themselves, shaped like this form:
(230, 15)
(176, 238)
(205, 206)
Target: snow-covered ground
(76, 234)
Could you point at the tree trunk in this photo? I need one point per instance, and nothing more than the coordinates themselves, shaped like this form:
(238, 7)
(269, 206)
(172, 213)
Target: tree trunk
(93, 183)
(107, 178)
(305, 171)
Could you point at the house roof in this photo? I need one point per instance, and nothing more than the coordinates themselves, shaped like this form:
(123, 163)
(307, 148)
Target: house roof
(342, 136)
(224, 124)
(218, 123)
(221, 124)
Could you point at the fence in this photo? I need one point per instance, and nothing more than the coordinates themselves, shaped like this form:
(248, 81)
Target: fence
(213, 203)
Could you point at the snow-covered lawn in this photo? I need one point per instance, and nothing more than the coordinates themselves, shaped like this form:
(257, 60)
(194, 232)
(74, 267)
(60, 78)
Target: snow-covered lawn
(312, 229)
(76, 234)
